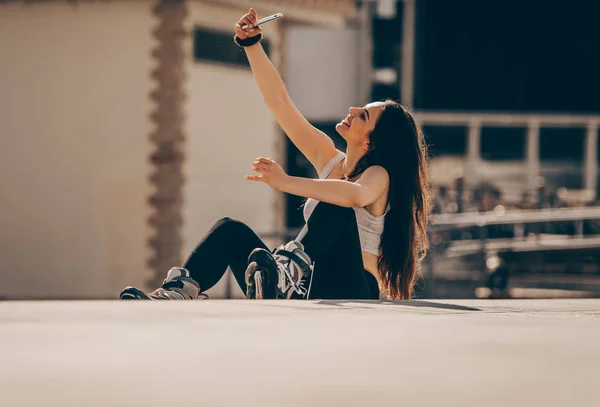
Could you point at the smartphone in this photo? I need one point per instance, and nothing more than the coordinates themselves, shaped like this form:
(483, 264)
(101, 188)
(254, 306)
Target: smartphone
(265, 20)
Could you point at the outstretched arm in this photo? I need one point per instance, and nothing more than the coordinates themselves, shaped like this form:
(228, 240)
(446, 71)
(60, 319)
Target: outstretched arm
(316, 146)
(363, 192)
(371, 184)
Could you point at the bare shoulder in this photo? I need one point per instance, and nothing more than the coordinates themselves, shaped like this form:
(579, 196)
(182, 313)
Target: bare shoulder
(375, 184)
(375, 173)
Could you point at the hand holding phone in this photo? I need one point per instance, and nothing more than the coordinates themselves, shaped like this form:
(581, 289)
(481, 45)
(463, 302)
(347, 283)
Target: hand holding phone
(249, 25)
(265, 20)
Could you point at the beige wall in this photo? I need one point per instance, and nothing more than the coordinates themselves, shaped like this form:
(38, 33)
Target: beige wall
(227, 127)
(324, 91)
(74, 83)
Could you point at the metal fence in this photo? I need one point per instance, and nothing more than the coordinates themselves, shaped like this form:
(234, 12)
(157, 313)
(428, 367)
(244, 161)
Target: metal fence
(474, 122)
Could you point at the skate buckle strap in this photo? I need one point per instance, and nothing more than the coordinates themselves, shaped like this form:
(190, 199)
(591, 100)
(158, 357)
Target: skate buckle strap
(298, 287)
(293, 256)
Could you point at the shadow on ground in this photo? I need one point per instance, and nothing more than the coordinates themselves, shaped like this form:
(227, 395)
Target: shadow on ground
(356, 304)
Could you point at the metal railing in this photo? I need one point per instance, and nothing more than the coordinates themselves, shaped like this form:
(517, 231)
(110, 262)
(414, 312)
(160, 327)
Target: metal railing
(481, 256)
(474, 122)
(516, 219)
(504, 217)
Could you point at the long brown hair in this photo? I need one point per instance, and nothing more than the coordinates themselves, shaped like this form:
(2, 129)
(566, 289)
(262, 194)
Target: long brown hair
(398, 145)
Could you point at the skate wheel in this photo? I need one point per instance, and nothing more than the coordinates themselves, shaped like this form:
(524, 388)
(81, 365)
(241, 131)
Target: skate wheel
(249, 277)
(259, 285)
(250, 273)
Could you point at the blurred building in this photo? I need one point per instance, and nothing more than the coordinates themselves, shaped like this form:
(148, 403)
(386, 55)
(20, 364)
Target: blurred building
(126, 130)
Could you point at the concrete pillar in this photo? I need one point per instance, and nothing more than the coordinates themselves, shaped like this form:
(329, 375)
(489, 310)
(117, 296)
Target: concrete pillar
(533, 154)
(591, 158)
(473, 153)
(167, 137)
(407, 69)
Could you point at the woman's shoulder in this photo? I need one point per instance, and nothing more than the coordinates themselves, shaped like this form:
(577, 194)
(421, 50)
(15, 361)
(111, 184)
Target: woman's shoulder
(375, 180)
(376, 173)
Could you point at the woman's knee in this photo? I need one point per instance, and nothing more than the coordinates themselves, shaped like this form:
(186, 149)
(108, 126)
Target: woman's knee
(230, 224)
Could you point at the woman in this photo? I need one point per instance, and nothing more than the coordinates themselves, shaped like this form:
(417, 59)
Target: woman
(366, 214)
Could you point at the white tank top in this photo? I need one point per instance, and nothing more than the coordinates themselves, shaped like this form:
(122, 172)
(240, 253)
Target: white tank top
(370, 227)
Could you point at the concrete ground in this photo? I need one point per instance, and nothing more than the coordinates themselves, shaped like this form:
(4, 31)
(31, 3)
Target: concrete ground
(292, 353)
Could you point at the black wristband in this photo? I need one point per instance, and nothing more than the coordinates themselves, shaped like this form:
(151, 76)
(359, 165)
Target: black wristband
(248, 41)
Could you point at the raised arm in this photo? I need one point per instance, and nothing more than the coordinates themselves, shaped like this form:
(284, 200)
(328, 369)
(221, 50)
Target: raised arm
(316, 146)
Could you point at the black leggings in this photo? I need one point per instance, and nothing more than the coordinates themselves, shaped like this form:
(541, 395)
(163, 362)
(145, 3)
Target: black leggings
(331, 240)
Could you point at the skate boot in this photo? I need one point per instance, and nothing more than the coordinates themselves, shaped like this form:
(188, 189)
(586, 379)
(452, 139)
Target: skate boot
(177, 286)
(285, 274)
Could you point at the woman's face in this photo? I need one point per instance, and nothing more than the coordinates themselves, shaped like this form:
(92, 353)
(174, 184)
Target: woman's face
(359, 123)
